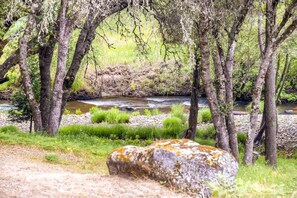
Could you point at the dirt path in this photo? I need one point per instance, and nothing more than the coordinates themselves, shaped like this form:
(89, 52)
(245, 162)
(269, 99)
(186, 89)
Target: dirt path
(23, 175)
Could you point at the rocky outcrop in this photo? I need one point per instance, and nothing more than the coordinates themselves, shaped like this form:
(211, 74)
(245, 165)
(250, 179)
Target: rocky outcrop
(182, 163)
(121, 80)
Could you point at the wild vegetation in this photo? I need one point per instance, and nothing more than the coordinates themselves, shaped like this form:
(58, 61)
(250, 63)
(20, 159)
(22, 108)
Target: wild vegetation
(91, 144)
(233, 49)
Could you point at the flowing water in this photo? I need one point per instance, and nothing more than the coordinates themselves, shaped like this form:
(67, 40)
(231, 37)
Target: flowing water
(139, 104)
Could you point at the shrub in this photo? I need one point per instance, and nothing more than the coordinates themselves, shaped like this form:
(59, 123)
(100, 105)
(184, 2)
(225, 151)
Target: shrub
(206, 133)
(123, 118)
(112, 116)
(241, 137)
(67, 112)
(172, 123)
(93, 110)
(9, 129)
(135, 113)
(147, 112)
(208, 142)
(177, 111)
(204, 115)
(156, 112)
(78, 112)
(99, 116)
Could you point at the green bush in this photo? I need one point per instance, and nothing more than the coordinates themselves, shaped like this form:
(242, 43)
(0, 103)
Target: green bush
(67, 112)
(147, 112)
(177, 111)
(123, 118)
(135, 113)
(112, 116)
(206, 133)
(241, 137)
(172, 122)
(156, 112)
(9, 129)
(99, 116)
(78, 112)
(93, 110)
(204, 115)
(208, 142)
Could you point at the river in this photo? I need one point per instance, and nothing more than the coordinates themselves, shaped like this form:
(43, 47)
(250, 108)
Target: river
(139, 104)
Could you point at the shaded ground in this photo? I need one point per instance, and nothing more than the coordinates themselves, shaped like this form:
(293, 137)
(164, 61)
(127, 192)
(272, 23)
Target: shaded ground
(24, 173)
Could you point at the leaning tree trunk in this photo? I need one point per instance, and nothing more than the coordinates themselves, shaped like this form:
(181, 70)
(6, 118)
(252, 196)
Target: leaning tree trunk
(26, 77)
(85, 39)
(207, 83)
(270, 114)
(248, 156)
(45, 58)
(65, 30)
(233, 142)
(190, 133)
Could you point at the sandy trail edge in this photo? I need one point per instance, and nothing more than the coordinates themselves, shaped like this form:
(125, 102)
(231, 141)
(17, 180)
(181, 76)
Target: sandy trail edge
(23, 176)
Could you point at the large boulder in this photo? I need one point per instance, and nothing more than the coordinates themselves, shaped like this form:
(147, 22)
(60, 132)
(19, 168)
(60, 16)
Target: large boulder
(182, 163)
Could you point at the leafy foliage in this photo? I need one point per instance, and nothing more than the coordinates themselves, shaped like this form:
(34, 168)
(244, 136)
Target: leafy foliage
(204, 115)
(112, 116)
(177, 111)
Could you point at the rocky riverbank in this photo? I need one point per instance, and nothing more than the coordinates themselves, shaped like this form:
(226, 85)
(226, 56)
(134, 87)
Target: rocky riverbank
(287, 136)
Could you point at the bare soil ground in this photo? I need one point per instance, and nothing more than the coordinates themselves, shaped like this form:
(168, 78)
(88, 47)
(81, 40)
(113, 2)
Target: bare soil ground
(25, 173)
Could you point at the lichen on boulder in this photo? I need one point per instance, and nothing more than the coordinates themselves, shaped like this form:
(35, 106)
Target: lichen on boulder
(182, 163)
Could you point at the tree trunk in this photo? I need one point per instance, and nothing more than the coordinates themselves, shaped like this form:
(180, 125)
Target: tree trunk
(248, 156)
(207, 83)
(65, 30)
(13, 60)
(45, 58)
(85, 39)
(233, 142)
(270, 114)
(191, 132)
(26, 77)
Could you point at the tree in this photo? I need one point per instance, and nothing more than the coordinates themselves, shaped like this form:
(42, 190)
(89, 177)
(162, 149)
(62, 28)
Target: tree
(47, 115)
(190, 133)
(275, 35)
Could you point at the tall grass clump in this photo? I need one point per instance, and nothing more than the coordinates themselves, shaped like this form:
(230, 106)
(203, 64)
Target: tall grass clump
(112, 116)
(177, 110)
(147, 112)
(204, 115)
(173, 127)
(98, 116)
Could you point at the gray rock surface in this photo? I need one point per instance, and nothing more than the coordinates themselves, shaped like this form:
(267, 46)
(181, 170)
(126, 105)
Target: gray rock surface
(182, 163)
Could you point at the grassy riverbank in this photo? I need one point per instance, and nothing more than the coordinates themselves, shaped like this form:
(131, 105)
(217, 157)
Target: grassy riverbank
(255, 181)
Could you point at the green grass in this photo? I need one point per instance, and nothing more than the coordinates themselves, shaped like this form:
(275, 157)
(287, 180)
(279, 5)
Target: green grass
(111, 116)
(254, 181)
(262, 181)
(121, 132)
(177, 110)
(147, 112)
(204, 115)
(52, 158)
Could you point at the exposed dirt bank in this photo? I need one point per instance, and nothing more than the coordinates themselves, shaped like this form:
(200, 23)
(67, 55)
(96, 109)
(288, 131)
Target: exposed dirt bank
(23, 175)
(121, 80)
